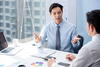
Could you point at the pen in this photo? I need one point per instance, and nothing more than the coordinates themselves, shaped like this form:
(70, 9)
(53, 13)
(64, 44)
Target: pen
(52, 53)
(40, 57)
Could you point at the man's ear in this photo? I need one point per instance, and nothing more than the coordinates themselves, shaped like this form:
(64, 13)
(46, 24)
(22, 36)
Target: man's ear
(92, 28)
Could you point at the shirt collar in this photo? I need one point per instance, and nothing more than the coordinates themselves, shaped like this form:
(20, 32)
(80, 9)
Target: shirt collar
(96, 37)
(59, 24)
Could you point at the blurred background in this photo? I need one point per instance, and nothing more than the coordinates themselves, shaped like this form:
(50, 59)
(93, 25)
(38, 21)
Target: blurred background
(20, 18)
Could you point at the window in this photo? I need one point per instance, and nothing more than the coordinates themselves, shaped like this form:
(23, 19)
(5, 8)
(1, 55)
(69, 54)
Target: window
(20, 25)
(28, 4)
(1, 17)
(7, 3)
(13, 19)
(8, 25)
(36, 4)
(1, 30)
(13, 4)
(8, 32)
(29, 35)
(36, 12)
(1, 3)
(36, 21)
(1, 10)
(1, 24)
(43, 12)
(27, 12)
(14, 27)
(28, 20)
(43, 4)
(37, 29)
(8, 39)
(13, 11)
(7, 10)
(13, 34)
(7, 18)
(28, 28)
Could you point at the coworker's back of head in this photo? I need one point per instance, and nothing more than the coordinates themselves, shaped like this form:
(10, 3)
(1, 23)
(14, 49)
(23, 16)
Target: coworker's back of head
(93, 18)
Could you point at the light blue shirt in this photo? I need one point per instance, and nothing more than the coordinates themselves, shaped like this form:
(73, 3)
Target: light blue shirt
(67, 32)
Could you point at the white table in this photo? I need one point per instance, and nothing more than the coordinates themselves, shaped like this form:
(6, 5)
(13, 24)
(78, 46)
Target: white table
(29, 54)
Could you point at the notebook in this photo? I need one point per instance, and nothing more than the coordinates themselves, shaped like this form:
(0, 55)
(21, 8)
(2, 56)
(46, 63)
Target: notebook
(4, 46)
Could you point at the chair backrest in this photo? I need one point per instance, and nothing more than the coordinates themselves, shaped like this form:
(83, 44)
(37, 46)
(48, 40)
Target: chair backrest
(76, 50)
(96, 63)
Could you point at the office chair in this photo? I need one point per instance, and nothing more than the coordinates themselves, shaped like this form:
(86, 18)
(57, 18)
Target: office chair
(76, 50)
(96, 63)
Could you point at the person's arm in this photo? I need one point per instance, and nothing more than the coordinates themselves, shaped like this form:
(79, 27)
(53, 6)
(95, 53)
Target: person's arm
(83, 59)
(70, 57)
(52, 63)
(75, 39)
(43, 34)
(37, 38)
(42, 37)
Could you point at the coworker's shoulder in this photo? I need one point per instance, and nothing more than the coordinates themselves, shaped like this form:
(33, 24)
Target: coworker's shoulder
(87, 47)
(91, 50)
(85, 50)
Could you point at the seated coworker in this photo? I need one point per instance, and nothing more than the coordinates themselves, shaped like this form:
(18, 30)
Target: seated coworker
(90, 52)
(61, 35)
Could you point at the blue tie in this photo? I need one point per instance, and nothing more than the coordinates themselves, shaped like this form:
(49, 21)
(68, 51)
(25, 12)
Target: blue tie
(58, 46)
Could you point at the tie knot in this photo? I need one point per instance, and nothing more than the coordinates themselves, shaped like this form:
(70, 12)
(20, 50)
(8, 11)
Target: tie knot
(58, 26)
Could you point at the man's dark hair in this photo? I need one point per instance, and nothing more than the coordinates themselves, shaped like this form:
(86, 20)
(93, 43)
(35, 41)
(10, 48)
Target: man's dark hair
(93, 18)
(54, 5)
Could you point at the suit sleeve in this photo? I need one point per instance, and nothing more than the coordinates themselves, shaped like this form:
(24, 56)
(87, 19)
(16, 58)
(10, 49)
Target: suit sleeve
(83, 59)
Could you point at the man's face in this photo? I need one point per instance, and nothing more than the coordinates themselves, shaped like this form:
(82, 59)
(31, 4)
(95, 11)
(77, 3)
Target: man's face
(56, 15)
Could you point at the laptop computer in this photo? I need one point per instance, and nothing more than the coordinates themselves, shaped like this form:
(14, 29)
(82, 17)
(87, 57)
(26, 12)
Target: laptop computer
(4, 46)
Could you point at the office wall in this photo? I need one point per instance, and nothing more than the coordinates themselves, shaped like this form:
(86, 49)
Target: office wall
(82, 7)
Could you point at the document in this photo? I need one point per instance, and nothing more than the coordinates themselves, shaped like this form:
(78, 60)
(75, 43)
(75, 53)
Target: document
(6, 60)
(44, 53)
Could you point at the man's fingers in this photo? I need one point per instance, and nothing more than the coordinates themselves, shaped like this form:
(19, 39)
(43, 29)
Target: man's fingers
(75, 39)
(35, 35)
(37, 38)
(70, 57)
(50, 62)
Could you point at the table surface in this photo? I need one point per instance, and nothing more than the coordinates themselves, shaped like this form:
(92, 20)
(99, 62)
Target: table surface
(32, 55)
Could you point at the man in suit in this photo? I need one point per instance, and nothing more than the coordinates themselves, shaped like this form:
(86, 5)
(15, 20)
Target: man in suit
(91, 51)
